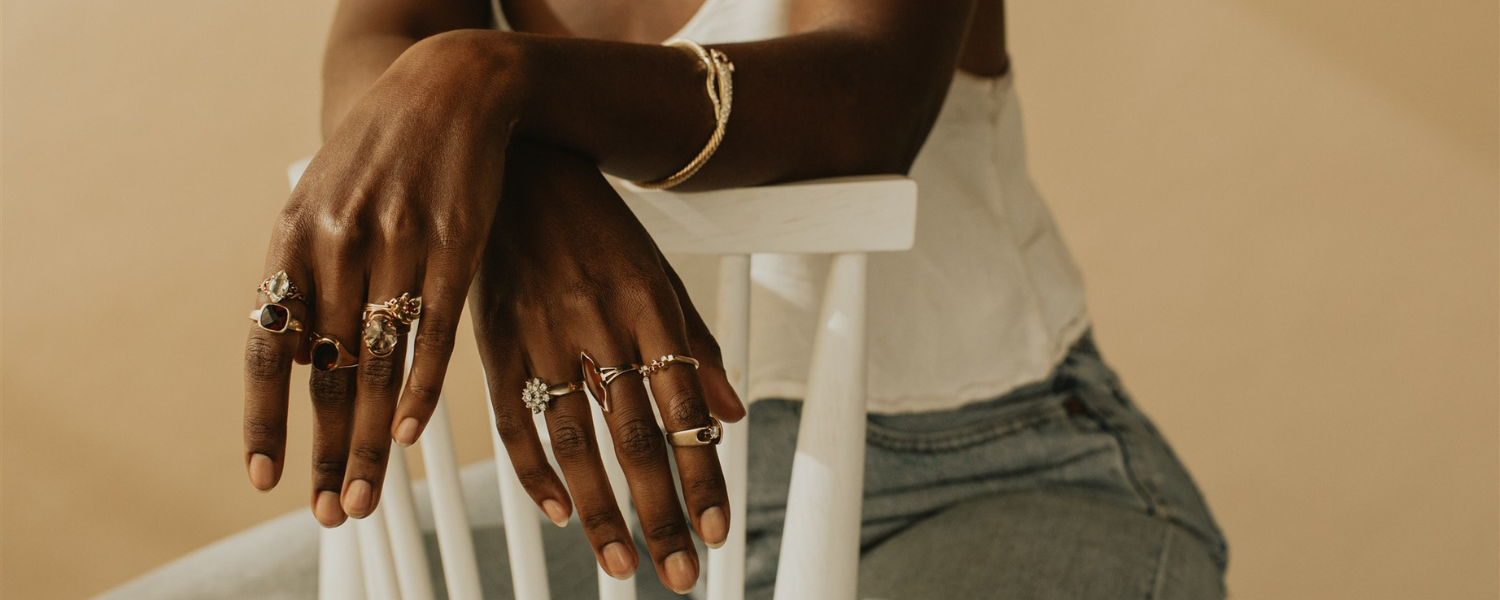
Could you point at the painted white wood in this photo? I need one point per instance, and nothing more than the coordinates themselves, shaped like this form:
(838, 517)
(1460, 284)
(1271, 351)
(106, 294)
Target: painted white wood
(852, 214)
(523, 531)
(726, 565)
(294, 171)
(455, 541)
(609, 587)
(375, 556)
(820, 546)
(340, 576)
(407, 548)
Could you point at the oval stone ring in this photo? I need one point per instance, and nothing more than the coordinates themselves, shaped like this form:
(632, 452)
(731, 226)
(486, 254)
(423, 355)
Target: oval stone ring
(386, 321)
(279, 287)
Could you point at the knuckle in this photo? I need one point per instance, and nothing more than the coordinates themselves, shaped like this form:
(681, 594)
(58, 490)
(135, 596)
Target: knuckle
(264, 362)
(262, 430)
(329, 469)
(685, 406)
(370, 454)
(709, 483)
(509, 424)
(597, 519)
(571, 442)
(534, 477)
(639, 442)
(330, 391)
(434, 334)
(672, 529)
(422, 391)
(378, 373)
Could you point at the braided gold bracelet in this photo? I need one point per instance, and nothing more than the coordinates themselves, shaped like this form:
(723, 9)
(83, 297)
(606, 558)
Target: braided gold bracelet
(720, 84)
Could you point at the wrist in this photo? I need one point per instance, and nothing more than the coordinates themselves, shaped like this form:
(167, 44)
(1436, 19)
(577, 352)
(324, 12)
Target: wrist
(476, 74)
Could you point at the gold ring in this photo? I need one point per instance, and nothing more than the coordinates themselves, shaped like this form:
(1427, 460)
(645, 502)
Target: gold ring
(381, 333)
(328, 354)
(275, 318)
(666, 361)
(709, 435)
(598, 379)
(404, 308)
(279, 287)
(538, 395)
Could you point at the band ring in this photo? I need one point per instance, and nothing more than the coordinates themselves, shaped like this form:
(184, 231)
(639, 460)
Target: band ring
(666, 361)
(598, 378)
(275, 318)
(279, 287)
(404, 308)
(538, 396)
(708, 435)
(328, 354)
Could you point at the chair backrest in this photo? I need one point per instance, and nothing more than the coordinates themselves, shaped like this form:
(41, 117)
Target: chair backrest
(381, 556)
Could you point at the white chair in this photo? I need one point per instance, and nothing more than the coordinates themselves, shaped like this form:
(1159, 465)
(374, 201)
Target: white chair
(381, 556)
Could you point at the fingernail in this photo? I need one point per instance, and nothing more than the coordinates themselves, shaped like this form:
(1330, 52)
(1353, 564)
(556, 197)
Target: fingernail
(327, 509)
(357, 499)
(682, 572)
(617, 561)
(406, 432)
(262, 472)
(715, 527)
(556, 512)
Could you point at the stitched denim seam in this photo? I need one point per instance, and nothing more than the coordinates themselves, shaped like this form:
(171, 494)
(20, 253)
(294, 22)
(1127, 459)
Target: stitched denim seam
(1159, 577)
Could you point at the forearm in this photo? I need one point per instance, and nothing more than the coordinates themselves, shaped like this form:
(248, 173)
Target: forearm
(838, 100)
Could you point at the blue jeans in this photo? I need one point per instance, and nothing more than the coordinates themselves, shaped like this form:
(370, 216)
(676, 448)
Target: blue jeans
(1058, 490)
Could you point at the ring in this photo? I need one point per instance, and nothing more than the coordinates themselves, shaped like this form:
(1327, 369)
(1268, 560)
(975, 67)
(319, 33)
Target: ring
(405, 308)
(665, 361)
(275, 318)
(380, 333)
(709, 435)
(328, 354)
(538, 395)
(598, 379)
(279, 287)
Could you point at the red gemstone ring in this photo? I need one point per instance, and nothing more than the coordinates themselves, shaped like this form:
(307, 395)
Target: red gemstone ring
(275, 318)
(328, 354)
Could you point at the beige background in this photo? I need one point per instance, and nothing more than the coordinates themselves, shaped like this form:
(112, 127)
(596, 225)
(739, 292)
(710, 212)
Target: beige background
(1286, 212)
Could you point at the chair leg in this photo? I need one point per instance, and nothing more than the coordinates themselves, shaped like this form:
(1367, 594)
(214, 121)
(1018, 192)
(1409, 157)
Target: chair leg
(407, 548)
(726, 566)
(339, 574)
(523, 533)
(375, 556)
(455, 541)
(820, 546)
(609, 587)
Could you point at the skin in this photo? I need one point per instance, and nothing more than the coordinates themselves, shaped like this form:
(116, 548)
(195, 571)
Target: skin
(464, 164)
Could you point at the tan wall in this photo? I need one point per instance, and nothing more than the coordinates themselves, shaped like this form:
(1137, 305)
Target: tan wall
(1286, 212)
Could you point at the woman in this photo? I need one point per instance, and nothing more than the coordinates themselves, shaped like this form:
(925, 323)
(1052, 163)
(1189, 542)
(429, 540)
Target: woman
(1004, 457)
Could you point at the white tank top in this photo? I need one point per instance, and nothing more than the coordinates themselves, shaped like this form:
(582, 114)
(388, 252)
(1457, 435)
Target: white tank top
(986, 300)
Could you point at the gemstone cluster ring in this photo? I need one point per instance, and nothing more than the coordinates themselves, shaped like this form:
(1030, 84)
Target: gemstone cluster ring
(709, 435)
(386, 321)
(598, 378)
(279, 287)
(538, 395)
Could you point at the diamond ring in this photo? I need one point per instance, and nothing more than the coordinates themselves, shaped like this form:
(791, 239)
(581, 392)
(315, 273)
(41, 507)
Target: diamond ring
(709, 435)
(538, 395)
(666, 361)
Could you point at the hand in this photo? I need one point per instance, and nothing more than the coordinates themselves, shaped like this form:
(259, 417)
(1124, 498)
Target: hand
(569, 269)
(399, 200)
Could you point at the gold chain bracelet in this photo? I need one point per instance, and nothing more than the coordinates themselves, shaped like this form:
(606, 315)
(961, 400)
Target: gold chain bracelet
(720, 84)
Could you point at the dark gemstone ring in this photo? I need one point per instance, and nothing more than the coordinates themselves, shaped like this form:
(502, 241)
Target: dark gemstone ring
(328, 354)
(275, 318)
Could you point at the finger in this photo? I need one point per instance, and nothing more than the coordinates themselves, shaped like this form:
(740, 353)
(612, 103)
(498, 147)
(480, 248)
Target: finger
(445, 286)
(722, 400)
(642, 452)
(268, 371)
(333, 419)
(680, 399)
(504, 373)
(341, 293)
(382, 362)
(571, 425)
